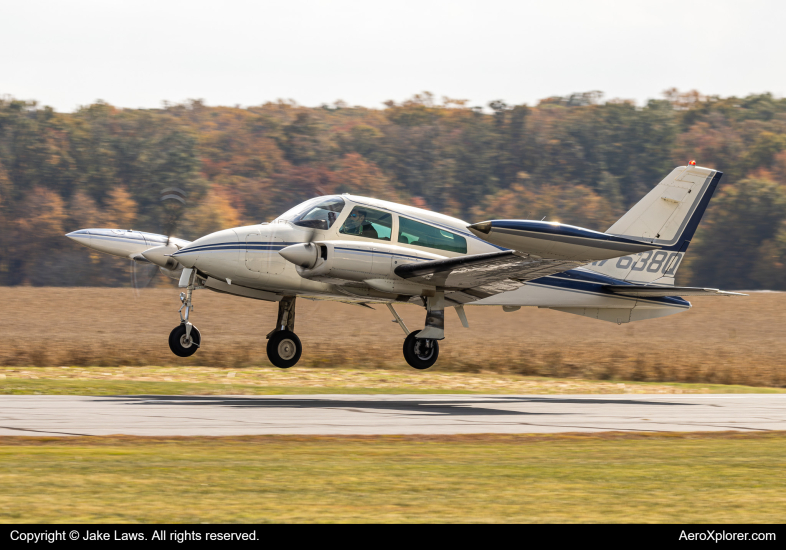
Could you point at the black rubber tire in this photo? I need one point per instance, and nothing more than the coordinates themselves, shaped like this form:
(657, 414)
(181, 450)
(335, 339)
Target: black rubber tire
(176, 344)
(279, 349)
(420, 362)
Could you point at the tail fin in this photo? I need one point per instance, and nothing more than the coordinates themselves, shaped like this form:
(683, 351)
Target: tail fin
(667, 216)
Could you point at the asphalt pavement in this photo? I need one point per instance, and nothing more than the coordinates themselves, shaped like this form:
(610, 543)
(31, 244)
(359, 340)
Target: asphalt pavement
(158, 415)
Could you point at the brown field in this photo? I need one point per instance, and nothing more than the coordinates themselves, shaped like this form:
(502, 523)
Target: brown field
(721, 340)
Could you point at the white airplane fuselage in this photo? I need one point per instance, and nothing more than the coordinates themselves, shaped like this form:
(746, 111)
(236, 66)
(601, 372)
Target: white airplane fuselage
(246, 261)
(362, 250)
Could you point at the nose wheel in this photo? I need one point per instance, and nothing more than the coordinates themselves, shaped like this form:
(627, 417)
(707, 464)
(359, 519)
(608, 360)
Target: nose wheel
(284, 349)
(420, 353)
(183, 342)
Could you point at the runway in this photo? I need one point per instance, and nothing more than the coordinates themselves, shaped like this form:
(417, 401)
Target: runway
(385, 414)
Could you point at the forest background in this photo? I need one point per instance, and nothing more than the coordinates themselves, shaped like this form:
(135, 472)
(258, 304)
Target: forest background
(578, 160)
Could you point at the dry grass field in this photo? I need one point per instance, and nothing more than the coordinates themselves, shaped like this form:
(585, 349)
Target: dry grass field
(721, 340)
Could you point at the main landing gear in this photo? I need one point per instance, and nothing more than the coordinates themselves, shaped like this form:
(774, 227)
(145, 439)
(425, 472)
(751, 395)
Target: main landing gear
(283, 345)
(421, 347)
(420, 353)
(184, 340)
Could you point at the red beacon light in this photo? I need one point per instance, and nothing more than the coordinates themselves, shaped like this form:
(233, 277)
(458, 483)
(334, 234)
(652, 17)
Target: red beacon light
(692, 163)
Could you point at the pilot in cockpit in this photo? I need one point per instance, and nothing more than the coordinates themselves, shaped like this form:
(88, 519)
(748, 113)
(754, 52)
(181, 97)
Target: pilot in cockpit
(356, 224)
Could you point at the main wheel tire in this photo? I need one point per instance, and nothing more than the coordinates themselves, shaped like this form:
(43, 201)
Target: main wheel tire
(284, 349)
(420, 353)
(178, 343)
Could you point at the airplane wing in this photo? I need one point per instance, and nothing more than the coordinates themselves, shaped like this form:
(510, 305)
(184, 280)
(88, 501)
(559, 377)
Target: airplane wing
(640, 291)
(482, 275)
(469, 278)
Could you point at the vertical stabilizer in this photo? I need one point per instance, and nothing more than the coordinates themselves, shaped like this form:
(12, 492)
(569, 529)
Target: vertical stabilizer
(667, 216)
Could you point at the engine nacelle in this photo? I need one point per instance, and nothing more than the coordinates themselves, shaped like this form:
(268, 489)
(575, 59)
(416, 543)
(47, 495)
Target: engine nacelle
(162, 256)
(336, 262)
(303, 255)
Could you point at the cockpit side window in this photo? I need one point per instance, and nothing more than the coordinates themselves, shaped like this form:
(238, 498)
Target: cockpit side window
(412, 232)
(369, 223)
(320, 215)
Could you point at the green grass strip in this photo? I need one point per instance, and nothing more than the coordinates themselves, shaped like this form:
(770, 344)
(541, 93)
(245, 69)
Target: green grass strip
(685, 478)
(43, 386)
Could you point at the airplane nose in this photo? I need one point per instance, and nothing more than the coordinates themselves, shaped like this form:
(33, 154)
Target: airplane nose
(187, 256)
(210, 250)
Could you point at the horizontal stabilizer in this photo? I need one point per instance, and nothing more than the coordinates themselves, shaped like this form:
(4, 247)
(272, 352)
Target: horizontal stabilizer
(641, 291)
(557, 241)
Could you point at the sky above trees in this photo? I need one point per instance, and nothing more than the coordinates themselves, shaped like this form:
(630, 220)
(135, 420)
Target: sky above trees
(140, 53)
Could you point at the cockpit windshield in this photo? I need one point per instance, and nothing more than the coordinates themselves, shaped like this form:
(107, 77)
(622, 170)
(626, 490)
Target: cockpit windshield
(317, 213)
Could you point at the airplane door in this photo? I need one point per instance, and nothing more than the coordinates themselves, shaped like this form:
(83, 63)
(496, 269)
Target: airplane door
(262, 254)
(381, 262)
(354, 258)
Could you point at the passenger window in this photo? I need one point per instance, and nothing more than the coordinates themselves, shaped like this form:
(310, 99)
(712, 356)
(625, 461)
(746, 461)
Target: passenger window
(365, 222)
(412, 232)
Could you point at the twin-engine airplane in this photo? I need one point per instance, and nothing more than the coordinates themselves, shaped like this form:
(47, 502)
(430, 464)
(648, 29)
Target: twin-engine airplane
(362, 251)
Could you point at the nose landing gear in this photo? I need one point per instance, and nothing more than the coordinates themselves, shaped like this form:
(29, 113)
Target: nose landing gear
(283, 345)
(184, 340)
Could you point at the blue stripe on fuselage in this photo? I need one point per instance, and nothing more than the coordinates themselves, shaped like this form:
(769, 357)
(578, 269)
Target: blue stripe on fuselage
(590, 282)
(270, 245)
(573, 279)
(275, 246)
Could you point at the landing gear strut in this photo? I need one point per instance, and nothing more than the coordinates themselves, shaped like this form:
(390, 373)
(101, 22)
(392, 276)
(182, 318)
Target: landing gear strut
(283, 345)
(184, 340)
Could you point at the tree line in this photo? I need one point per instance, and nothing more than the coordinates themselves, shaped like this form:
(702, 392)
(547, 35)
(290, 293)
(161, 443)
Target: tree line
(580, 159)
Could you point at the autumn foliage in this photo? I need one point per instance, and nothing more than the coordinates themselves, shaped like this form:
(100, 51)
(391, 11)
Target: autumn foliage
(577, 160)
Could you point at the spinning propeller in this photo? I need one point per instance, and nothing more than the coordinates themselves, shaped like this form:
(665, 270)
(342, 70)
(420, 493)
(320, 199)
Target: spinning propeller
(306, 254)
(145, 266)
